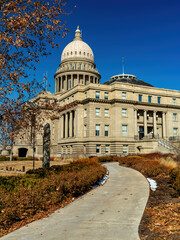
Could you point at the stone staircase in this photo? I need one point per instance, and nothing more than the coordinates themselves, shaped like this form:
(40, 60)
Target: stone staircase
(169, 146)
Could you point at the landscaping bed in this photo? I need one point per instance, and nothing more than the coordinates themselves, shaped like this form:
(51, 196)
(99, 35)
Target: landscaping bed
(39, 192)
(161, 217)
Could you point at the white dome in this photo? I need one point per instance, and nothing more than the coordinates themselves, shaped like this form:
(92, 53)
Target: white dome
(77, 48)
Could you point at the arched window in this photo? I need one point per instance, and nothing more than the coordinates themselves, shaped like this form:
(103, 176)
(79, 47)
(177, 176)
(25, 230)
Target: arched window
(80, 53)
(71, 53)
(88, 54)
(75, 52)
(84, 53)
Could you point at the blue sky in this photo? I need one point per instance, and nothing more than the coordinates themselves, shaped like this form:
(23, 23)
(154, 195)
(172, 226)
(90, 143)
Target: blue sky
(145, 32)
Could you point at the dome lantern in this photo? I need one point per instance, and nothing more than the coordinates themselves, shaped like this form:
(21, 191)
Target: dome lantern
(78, 34)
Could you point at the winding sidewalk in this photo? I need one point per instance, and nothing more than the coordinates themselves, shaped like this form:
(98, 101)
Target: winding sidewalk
(109, 212)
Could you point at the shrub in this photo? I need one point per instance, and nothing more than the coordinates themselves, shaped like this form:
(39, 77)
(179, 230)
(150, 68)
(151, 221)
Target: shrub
(39, 190)
(175, 180)
(4, 158)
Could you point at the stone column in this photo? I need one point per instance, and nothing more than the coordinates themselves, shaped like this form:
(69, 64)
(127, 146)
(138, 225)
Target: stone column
(63, 126)
(56, 85)
(59, 129)
(135, 122)
(75, 124)
(145, 123)
(66, 126)
(70, 124)
(154, 124)
(164, 124)
(66, 82)
(62, 82)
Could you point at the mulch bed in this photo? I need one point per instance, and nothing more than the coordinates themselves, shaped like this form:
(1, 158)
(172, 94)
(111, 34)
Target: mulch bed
(161, 219)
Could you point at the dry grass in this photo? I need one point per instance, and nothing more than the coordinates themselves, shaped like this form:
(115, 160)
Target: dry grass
(168, 162)
(18, 165)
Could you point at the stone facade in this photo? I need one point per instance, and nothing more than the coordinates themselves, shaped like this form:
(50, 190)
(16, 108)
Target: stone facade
(123, 115)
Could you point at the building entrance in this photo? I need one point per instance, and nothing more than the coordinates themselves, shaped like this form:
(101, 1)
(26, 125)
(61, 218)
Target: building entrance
(22, 152)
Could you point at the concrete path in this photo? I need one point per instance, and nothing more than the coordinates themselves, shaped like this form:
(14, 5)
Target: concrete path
(109, 212)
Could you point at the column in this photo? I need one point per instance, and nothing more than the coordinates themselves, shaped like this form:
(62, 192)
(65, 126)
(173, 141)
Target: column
(72, 81)
(70, 124)
(59, 129)
(145, 123)
(56, 84)
(154, 124)
(66, 125)
(73, 117)
(164, 124)
(66, 82)
(75, 123)
(135, 122)
(62, 83)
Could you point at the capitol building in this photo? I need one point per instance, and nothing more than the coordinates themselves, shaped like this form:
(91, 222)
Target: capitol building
(124, 115)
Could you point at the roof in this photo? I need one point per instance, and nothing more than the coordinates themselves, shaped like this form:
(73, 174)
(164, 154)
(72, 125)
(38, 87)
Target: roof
(127, 78)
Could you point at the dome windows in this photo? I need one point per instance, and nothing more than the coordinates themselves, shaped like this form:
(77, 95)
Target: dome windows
(75, 52)
(80, 53)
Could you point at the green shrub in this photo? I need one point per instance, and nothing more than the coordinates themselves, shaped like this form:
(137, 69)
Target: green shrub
(4, 158)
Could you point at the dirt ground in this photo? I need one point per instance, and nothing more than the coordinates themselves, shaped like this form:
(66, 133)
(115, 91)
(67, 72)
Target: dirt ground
(161, 217)
(17, 166)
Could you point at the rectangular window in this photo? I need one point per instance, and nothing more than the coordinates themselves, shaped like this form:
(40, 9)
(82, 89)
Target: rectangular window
(124, 112)
(125, 148)
(174, 116)
(97, 95)
(175, 132)
(106, 95)
(85, 112)
(124, 130)
(98, 148)
(158, 100)
(85, 130)
(123, 95)
(106, 112)
(149, 99)
(106, 130)
(107, 149)
(174, 101)
(97, 111)
(140, 98)
(97, 130)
